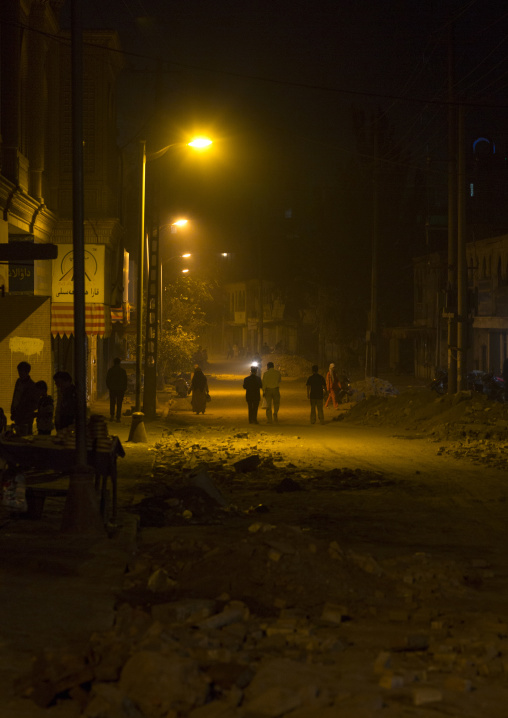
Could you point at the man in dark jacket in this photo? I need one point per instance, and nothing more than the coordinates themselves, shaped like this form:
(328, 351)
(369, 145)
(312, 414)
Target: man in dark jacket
(66, 403)
(24, 401)
(116, 381)
(253, 385)
(316, 386)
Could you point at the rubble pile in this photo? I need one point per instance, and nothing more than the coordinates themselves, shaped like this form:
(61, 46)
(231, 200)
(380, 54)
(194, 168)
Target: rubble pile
(290, 365)
(272, 621)
(190, 482)
(372, 386)
(227, 611)
(473, 426)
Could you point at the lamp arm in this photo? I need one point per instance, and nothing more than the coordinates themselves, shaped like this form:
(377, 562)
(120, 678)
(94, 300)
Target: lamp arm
(160, 153)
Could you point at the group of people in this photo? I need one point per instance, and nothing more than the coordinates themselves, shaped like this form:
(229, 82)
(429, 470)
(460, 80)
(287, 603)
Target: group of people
(31, 401)
(269, 387)
(316, 385)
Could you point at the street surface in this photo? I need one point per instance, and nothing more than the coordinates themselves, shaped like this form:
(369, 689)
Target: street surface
(360, 570)
(378, 587)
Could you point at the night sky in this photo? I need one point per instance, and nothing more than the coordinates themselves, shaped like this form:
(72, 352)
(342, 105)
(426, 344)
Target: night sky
(289, 91)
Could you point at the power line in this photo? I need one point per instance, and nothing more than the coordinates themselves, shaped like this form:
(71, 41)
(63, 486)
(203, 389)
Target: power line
(285, 83)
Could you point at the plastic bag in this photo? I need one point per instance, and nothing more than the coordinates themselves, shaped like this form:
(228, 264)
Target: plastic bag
(14, 491)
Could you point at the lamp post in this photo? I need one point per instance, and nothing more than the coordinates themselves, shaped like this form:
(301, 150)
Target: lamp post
(153, 286)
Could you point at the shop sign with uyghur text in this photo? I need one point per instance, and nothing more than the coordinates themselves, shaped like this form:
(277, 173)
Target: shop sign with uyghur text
(63, 274)
(21, 277)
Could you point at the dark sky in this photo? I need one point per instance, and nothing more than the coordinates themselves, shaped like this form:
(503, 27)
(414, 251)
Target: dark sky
(275, 84)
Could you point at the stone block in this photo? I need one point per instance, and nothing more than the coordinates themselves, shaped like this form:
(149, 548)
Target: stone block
(382, 662)
(427, 694)
(458, 684)
(334, 613)
(159, 683)
(191, 610)
(250, 463)
(275, 701)
(391, 680)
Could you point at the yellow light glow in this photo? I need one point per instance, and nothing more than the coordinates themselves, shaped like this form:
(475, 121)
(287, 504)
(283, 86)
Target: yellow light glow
(200, 143)
(185, 256)
(184, 271)
(180, 222)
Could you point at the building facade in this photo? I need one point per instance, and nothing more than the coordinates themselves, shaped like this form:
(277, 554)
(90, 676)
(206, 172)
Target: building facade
(487, 281)
(36, 192)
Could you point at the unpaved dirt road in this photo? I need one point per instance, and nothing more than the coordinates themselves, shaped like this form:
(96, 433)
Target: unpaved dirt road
(359, 571)
(378, 587)
(426, 500)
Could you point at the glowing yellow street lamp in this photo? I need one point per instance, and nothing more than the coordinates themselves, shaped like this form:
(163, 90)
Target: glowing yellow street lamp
(153, 298)
(200, 143)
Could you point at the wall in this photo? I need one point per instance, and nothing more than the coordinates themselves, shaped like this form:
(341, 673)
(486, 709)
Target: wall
(25, 336)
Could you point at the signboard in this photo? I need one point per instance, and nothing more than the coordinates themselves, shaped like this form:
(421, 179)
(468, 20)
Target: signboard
(21, 277)
(63, 274)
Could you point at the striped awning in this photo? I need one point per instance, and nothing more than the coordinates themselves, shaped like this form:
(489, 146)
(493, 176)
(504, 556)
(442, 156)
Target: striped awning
(97, 319)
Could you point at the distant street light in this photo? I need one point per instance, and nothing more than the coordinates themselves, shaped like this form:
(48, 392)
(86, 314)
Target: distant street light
(153, 288)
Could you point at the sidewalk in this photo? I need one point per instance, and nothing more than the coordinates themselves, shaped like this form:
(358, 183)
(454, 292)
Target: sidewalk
(59, 588)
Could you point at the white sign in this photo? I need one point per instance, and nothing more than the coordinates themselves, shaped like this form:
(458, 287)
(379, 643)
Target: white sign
(63, 274)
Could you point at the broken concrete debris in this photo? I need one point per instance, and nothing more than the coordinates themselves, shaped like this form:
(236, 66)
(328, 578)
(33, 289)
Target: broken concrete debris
(320, 631)
(275, 620)
(250, 463)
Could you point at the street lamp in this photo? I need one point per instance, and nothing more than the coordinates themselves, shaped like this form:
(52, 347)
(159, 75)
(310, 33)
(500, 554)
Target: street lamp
(153, 294)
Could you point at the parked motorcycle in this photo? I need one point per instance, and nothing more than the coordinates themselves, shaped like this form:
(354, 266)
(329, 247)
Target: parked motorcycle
(440, 382)
(346, 392)
(482, 382)
(181, 385)
(494, 387)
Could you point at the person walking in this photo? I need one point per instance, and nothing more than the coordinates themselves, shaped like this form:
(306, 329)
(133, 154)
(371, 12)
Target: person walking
(65, 412)
(116, 381)
(44, 415)
(316, 385)
(253, 385)
(332, 386)
(271, 392)
(24, 402)
(199, 390)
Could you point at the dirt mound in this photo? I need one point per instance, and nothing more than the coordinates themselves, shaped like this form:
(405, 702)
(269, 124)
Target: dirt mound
(465, 415)
(290, 365)
(373, 386)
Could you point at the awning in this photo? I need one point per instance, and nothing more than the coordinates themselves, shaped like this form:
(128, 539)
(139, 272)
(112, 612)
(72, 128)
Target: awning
(97, 319)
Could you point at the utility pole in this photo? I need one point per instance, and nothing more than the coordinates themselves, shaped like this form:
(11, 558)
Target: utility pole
(260, 323)
(153, 284)
(451, 294)
(141, 271)
(371, 364)
(462, 309)
(81, 511)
